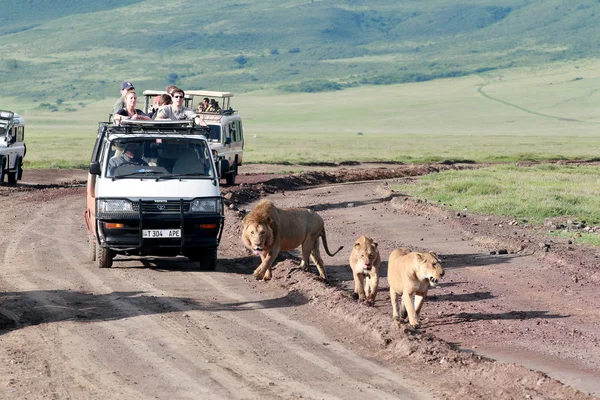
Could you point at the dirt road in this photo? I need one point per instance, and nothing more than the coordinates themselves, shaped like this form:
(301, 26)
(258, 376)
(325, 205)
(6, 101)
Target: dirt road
(156, 328)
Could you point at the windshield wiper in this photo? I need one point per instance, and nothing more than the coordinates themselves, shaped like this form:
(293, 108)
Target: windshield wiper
(140, 172)
(177, 176)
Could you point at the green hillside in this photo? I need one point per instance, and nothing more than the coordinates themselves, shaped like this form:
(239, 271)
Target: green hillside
(65, 53)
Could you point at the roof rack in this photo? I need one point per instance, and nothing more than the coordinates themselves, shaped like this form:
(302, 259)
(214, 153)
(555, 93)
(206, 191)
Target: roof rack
(7, 115)
(153, 127)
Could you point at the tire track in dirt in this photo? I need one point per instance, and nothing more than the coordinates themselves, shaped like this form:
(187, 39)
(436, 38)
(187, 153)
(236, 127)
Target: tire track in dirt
(52, 303)
(181, 375)
(59, 307)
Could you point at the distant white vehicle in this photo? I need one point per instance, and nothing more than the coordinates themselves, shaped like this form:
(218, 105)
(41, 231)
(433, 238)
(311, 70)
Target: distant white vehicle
(12, 146)
(223, 129)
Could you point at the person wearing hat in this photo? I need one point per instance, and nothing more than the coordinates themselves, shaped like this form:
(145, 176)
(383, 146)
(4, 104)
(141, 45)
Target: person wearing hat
(119, 104)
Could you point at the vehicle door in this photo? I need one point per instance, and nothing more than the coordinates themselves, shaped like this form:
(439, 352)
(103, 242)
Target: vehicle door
(19, 143)
(237, 140)
(14, 148)
(227, 141)
(90, 210)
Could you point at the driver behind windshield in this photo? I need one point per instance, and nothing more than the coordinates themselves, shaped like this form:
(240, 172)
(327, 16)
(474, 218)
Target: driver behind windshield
(130, 156)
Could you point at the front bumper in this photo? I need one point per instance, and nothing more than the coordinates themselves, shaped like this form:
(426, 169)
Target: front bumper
(123, 233)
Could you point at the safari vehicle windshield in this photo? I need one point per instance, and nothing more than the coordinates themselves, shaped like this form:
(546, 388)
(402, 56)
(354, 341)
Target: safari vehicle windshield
(214, 134)
(159, 158)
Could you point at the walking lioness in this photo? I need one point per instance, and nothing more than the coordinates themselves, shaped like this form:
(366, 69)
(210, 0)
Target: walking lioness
(365, 261)
(412, 273)
(269, 229)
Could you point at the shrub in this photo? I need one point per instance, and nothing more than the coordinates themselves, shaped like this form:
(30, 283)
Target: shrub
(312, 86)
(241, 61)
(172, 78)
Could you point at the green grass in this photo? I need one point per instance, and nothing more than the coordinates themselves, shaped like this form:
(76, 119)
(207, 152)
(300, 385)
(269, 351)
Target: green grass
(82, 50)
(583, 238)
(543, 114)
(530, 193)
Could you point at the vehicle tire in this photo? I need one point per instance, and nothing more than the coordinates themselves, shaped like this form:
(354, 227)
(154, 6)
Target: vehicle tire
(91, 248)
(20, 170)
(2, 173)
(230, 177)
(12, 178)
(104, 257)
(208, 259)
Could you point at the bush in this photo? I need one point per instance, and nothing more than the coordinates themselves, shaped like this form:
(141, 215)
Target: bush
(312, 86)
(241, 61)
(172, 78)
(11, 64)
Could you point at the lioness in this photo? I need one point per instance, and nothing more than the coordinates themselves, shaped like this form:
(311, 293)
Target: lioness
(365, 261)
(412, 273)
(269, 229)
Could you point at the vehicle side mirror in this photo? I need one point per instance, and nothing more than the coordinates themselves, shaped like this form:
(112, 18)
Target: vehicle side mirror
(228, 140)
(224, 167)
(95, 168)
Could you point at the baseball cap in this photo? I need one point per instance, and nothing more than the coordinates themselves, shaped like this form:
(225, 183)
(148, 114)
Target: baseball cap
(127, 85)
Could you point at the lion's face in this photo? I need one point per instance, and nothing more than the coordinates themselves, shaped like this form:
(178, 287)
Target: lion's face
(257, 237)
(430, 268)
(366, 254)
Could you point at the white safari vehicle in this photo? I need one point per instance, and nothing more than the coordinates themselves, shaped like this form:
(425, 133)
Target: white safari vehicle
(12, 146)
(223, 128)
(153, 189)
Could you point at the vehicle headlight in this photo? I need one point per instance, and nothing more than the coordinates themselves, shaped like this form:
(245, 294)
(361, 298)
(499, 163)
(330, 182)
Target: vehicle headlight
(206, 206)
(118, 206)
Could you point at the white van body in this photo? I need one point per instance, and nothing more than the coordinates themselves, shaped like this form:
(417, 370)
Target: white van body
(12, 146)
(153, 189)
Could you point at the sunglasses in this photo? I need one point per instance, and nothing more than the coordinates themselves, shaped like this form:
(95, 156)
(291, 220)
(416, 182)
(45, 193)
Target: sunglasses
(178, 97)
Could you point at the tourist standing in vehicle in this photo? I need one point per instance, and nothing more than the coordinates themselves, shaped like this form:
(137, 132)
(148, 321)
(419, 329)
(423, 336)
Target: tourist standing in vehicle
(160, 102)
(129, 111)
(202, 107)
(125, 87)
(176, 111)
(171, 89)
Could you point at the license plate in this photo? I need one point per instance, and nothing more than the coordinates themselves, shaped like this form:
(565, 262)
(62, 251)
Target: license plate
(161, 233)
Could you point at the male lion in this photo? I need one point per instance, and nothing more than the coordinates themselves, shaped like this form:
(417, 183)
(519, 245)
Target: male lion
(269, 229)
(365, 261)
(412, 273)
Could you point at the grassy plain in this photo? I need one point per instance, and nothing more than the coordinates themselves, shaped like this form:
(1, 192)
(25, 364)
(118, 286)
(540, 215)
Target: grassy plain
(520, 114)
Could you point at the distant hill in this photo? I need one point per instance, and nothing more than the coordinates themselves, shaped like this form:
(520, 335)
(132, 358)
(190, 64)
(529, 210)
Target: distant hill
(74, 51)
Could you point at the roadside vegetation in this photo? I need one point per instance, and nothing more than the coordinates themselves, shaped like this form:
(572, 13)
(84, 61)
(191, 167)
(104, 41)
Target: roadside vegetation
(544, 114)
(525, 194)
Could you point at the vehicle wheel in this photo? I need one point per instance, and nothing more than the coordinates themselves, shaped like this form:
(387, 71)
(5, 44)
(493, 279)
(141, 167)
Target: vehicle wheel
(104, 257)
(1, 171)
(230, 177)
(12, 178)
(20, 170)
(208, 259)
(91, 248)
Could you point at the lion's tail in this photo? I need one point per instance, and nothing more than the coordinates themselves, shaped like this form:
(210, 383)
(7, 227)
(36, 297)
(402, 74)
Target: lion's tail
(325, 245)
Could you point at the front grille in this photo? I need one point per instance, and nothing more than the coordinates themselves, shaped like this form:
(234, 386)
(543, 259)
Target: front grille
(168, 207)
